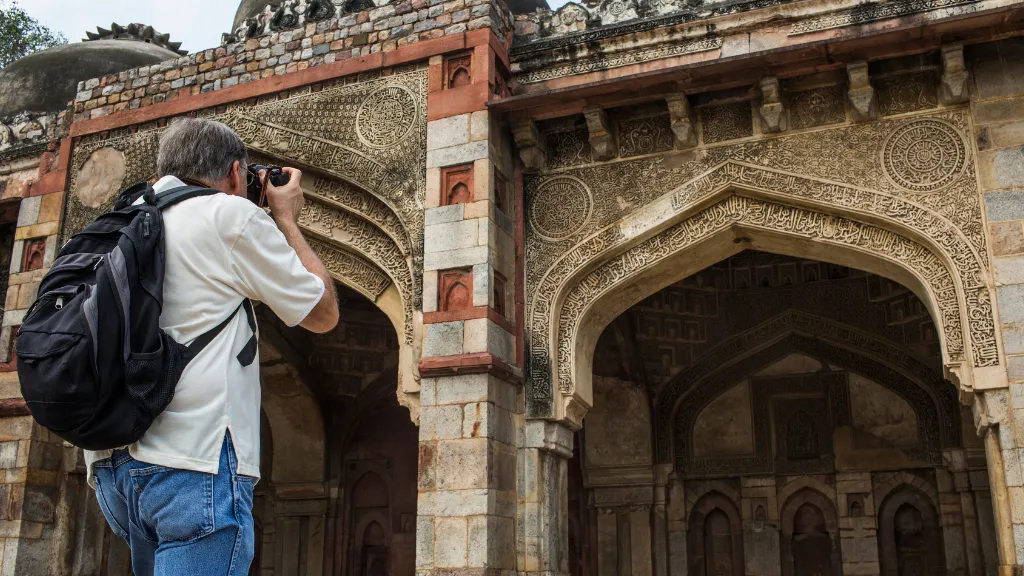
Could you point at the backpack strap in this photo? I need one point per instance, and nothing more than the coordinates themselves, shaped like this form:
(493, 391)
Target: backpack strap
(248, 354)
(171, 197)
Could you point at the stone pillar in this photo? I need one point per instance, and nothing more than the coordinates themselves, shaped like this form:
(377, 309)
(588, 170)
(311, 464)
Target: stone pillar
(761, 537)
(659, 519)
(857, 534)
(968, 512)
(952, 522)
(542, 531)
(992, 417)
(676, 512)
(471, 409)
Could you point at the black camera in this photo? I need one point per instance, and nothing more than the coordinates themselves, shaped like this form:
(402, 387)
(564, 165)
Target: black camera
(256, 187)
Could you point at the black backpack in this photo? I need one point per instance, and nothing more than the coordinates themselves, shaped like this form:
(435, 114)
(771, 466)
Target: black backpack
(94, 365)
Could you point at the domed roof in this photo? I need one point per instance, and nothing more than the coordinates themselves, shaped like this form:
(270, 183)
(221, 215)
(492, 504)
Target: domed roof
(250, 8)
(44, 82)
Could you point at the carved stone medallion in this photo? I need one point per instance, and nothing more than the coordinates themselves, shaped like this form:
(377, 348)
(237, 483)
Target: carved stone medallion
(101, 177)
(560, 208)
(924, 155)
(386, 117)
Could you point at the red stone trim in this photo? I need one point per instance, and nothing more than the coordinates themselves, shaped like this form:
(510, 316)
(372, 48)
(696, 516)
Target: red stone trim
(55, 180)
(480, 363)
(182, 105)
(470, 314)
(13, 407)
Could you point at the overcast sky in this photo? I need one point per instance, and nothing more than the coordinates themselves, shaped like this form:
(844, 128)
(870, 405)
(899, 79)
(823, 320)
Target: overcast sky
(197, 24)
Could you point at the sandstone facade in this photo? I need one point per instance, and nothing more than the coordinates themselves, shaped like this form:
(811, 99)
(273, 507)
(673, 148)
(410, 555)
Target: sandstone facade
(629, 288)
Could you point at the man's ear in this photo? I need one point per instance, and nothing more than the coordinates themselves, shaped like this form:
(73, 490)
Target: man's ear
(235, 175)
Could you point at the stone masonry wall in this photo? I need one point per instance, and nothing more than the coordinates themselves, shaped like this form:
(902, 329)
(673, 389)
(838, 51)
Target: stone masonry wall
(381, 29)
(998, 109)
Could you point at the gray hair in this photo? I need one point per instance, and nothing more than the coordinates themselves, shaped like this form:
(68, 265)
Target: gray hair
(199, 149)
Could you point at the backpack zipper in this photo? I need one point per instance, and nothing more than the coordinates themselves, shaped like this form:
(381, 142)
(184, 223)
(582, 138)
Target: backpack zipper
(145, 225)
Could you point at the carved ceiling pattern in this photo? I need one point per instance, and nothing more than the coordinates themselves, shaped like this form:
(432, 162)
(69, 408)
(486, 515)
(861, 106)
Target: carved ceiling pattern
(938, 420)
(934, 399)
(839, 169)
(367, 189)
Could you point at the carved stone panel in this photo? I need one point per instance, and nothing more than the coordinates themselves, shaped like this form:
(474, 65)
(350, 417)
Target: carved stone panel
(914, 172)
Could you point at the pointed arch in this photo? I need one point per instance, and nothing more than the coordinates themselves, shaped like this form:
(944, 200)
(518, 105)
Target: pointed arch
(735, 206)
(791, 509)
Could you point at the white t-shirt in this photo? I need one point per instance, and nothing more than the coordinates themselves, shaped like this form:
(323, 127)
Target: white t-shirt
(219, 250)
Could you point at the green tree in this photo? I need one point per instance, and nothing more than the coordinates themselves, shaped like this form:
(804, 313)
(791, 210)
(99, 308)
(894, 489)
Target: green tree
(21, 34)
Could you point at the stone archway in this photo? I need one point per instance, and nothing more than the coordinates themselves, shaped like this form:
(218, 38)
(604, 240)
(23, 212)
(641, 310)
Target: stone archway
(715, 537)
(909, 534)
(736, 206)
(810, 535)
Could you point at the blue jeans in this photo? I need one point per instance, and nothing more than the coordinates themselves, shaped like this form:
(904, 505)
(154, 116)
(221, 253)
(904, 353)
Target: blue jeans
(179, 522)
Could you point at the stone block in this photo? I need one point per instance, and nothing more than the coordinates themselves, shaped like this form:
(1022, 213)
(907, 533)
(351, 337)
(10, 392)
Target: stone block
(1015, 367)
(430, 291)
(1006, 205)
(486, 420)
(50, 206)
(39, 504)
(1011, 465)
(463, 464)
(450, 542)
(1013, 342)
(1018, 539)
(481, 285)
(456, 258)
(443, 339)
(471, 388)
(443, 214)
(1007, 135)
(8, 454)
(441, 422)
(1007, 237)
(28, 211)
(448, 132)
(424, 541)
(860, 549)
(997, 67)
(860, 569)
(451, 236)
(479, 126)
(483, 335)
(1002, 169)
(453, 155)
(1011, 303)
(490, 542)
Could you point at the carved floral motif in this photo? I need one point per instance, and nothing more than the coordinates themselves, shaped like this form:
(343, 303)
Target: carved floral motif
(561, 208)
(924, 156)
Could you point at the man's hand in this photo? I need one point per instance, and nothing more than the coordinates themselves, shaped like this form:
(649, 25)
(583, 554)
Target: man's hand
(285, 201)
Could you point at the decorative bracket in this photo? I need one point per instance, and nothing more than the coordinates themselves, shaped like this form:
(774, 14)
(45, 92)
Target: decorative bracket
(953, 86)
(861, 95)
(773, 112)
(684, 123)
(602, 141)
(530, 145)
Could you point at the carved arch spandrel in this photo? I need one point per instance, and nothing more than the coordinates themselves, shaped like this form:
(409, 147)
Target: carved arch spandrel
(638, 244)
(845, 176)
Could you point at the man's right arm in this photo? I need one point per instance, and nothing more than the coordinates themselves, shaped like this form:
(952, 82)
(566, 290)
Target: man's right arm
(324, 316)
(285, 206)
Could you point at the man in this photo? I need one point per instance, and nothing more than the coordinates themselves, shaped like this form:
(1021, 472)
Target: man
(182, 495)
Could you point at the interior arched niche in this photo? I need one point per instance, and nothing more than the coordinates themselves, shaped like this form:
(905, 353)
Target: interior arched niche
(630, 290)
